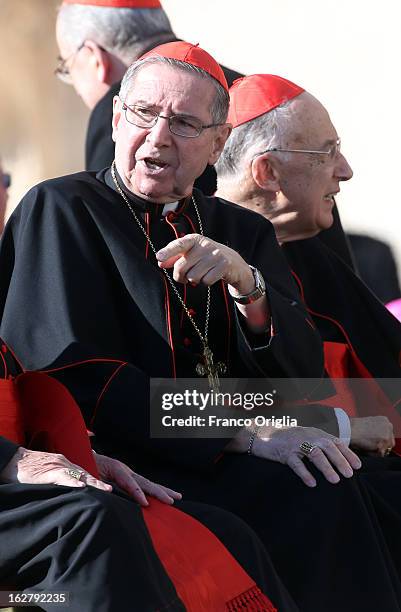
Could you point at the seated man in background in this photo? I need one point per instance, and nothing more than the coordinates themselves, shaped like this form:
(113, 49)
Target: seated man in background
(109, 36)
(283, 161)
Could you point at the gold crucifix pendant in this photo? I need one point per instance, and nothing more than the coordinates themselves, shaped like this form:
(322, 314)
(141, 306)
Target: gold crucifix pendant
(210, 369)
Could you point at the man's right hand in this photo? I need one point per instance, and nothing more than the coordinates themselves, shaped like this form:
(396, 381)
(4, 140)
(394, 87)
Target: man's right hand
(36, 467)
(283, 446)
(374, 433)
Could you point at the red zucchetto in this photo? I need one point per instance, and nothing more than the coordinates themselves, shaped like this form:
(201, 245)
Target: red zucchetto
(191, 54)
(255, 95)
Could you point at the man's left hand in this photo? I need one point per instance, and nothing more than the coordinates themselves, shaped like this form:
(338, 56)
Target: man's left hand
(198, 259)
(372, 433)
(135, 485)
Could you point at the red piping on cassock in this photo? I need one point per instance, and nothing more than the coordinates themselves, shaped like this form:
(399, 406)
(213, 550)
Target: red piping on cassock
(168, 321)
(322, 316)
(103, 391)
(228, 323)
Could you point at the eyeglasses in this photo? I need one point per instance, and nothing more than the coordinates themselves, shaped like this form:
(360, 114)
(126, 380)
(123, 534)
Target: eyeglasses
(332, 152)
(62, 71)
(180, 125)
(6, 180)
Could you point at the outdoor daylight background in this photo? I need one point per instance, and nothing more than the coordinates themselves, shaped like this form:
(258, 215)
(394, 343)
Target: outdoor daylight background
(346, 52)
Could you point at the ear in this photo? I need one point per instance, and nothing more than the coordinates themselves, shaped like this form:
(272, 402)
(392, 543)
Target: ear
(265, 172)
(221, 135)
(117, 115)
(100, 61)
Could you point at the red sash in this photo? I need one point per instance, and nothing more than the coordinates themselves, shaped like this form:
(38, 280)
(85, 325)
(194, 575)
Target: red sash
(39, 412)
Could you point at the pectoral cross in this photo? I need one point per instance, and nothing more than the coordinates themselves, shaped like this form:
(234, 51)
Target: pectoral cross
(210, 369)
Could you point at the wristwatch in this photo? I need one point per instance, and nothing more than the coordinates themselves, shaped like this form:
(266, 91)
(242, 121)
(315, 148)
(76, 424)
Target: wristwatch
(257, 293)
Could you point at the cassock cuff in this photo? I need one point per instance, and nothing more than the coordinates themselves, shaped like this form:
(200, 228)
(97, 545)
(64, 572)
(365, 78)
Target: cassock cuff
(254, 341)
(344, 425)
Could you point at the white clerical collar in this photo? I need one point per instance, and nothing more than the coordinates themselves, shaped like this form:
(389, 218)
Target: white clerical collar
(169, 208)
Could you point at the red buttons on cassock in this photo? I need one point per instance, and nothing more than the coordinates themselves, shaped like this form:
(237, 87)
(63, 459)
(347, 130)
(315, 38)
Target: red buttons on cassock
(3, 348)
(170, 216)
(192, 312)
(187, 342)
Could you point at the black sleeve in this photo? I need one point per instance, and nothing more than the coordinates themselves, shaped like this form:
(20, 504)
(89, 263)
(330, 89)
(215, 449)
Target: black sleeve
(292, 348)
(99, 146)
(7, 450)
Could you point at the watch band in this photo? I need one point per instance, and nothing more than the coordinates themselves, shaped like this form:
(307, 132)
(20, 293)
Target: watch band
(257, 293)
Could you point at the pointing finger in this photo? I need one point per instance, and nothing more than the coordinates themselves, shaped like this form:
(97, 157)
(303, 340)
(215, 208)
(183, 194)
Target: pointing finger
(176, 247)
(169, 262)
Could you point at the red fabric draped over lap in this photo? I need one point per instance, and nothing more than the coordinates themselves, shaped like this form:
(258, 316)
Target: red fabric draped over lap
(53, 421)
(38, 412)
(204, 573)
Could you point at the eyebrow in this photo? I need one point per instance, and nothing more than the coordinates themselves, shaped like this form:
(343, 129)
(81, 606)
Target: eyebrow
(142, 103)
(146, 104)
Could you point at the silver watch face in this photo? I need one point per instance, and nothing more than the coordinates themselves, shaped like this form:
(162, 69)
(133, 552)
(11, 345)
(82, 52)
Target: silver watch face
(260, 283)
(259, 290)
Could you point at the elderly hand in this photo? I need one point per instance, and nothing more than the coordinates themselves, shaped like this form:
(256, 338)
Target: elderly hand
(373, 433)
(36, 467)
(132, 483)
(282, 445)
(197, 259)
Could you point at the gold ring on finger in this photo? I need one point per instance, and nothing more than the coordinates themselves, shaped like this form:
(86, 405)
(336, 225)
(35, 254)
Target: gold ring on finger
(306, 448)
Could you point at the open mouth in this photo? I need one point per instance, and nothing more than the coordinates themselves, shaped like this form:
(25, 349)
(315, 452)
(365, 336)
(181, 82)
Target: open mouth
(330, 197)
(154, 164)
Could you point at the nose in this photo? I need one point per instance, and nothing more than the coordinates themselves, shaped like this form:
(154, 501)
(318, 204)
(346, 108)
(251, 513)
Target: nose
(343, 171)
(159, 135)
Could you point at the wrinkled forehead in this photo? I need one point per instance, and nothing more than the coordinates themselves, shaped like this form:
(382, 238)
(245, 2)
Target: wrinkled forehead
(162, 85)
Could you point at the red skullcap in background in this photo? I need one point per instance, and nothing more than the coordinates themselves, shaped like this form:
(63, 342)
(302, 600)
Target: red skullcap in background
(255, 95)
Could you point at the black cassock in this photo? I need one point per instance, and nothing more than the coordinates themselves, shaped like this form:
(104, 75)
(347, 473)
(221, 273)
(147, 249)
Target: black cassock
(330, 288)
(96, 547)
(75, 260)
(87, 543)
(79, 282)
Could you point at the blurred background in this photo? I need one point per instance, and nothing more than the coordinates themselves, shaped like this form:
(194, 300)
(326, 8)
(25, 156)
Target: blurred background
(345, 52)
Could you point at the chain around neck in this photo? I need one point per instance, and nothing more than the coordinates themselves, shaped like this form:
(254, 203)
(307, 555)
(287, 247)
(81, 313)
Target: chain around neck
(203, 337)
